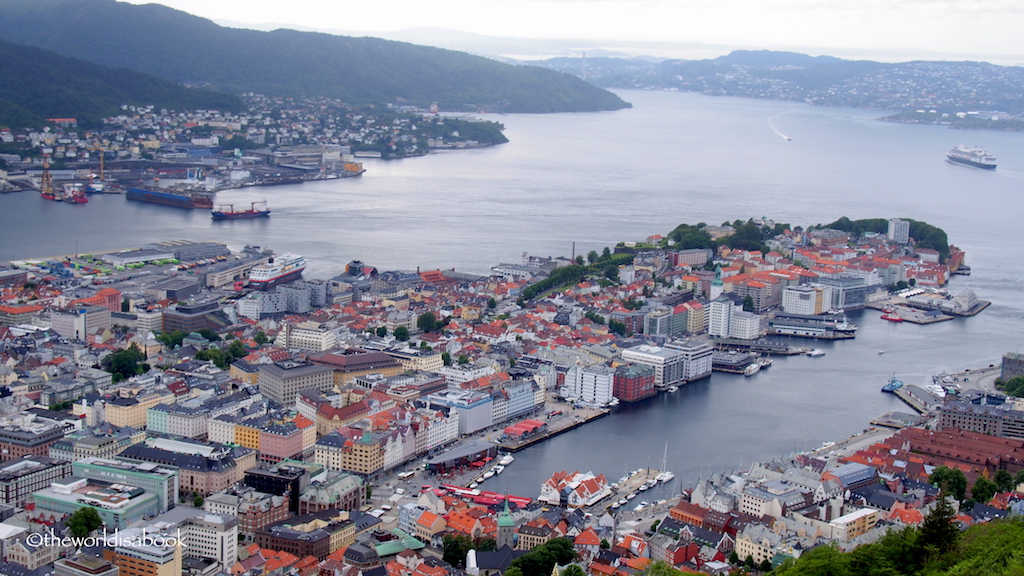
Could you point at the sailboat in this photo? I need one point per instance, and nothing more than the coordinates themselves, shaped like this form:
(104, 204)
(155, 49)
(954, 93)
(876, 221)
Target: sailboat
(664, 476)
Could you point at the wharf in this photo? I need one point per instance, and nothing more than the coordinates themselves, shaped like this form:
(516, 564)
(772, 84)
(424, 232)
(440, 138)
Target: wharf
(553, 430)
(760, 346)
(631, 485)
(898, 420)
(918, 398)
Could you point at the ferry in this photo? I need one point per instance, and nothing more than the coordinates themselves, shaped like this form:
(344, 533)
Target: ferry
(976, 157)
(280, 269)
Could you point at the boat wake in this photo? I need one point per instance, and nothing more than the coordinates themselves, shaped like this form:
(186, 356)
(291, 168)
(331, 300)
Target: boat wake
(771, 124)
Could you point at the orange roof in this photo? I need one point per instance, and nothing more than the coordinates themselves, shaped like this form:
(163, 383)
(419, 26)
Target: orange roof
(907, 516)
(588, 538)
(427, 518)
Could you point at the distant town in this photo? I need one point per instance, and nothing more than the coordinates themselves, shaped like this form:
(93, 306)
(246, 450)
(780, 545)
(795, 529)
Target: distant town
(276, 141)
(248, 420)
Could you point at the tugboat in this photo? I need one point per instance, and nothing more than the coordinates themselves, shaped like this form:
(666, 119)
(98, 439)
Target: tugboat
(892, 317)
(892, 385)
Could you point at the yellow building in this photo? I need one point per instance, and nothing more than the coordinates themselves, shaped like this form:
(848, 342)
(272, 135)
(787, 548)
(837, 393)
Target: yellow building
(247, 435)
(363, 456)
(418, 360)
(245, 372)
(132, 411)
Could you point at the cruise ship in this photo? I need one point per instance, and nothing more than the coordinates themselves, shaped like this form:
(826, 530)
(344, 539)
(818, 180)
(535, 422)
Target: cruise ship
(971, 157)
(280, 269)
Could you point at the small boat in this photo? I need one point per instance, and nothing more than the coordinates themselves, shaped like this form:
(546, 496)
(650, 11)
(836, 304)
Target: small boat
(506, 460)
(473, 485)
(815, 352)
(631, 495)
(752, 369)
(499, 469)
(622, 502)
(616, 505)
(488, 474)
(665, 476)
(880, 352)
(765, 362)
(673, 388)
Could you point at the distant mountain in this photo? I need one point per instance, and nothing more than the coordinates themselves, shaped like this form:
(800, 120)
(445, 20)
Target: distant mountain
(39, 84)
(183, 48)
(774, 59)
(934, 87)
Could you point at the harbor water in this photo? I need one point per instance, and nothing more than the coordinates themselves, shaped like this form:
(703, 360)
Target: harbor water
(596, 179)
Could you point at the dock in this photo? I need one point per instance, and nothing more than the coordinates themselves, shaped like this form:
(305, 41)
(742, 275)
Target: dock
(918, 398)
(553, 430)
(760, 346)
(631, 485)
(898, 420)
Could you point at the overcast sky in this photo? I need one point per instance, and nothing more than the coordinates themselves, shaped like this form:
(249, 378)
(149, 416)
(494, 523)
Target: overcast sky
(962, 29)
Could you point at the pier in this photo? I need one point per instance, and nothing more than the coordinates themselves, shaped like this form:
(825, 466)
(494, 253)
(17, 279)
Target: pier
(554, 429)
(760, 346)
(918, 398)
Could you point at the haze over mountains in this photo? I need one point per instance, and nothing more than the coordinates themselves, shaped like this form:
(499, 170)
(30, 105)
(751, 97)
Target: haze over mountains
(179, 47)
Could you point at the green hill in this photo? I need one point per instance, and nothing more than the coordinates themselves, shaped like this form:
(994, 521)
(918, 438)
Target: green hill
(183, 48)
(38, 84)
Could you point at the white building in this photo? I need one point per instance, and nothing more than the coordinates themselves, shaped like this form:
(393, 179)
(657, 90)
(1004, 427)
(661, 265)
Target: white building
(805, 300)
(721, 317)
(697, 357)
(592, 385)
(212, 536)
(668, 364)
(899, 231)
(311, 336)
(745, 325)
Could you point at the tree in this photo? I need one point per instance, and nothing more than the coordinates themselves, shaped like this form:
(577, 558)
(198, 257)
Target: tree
(463, 359)
(427, 322)
(749, 562)
(605, 545)
(209, 335)
(983, 490)
(124, 364)
(579, 260)
(950, 480)
(492, 303)
(606, 253)
(765, 566)
(83, 521)
(219, 357)
(171, 339)
(734, 558)
(1019, 478)
(939, 534)
(617, 327)
(381, 331)
(748, 303)
(197, 501)
(592, 256)
(573, 570)
(401, 333)
(486, 545)
(1004, 481)
(261, 338)
(446, 357)
(654, 526)
(237, 350)
(659, 568)
(611, 271)
(455, 549)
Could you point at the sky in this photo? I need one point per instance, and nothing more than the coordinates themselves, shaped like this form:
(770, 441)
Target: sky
(877, 29)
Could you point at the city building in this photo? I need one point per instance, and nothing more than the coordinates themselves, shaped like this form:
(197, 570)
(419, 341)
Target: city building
(634, 382)
(282, 381)
(162, 481)
(668, 364)
(20, 478)
(899, 231)
(135, 555)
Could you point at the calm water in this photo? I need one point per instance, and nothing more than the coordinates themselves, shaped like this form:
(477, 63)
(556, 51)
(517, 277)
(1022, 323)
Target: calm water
(595, 179)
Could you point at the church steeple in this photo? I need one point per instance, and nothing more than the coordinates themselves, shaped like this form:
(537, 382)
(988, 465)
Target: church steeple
(506, 528)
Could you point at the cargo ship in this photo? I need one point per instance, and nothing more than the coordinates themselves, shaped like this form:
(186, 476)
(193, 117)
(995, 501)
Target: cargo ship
(976, 157)
(232, 214)
(179, 199)
(278, 270)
